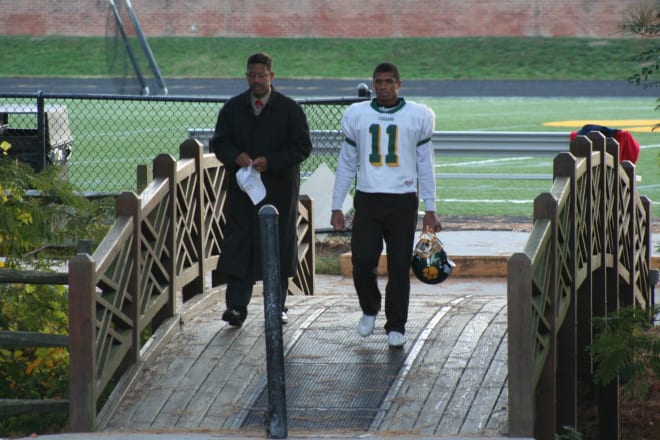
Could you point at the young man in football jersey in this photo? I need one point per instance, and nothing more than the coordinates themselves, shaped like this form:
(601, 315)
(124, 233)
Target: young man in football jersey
(388, 147)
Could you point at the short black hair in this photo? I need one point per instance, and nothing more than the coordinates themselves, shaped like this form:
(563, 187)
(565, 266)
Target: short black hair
(260, 58)
(387, 67)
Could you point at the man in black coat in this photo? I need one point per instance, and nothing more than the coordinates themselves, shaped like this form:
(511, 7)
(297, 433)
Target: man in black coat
(268, 131)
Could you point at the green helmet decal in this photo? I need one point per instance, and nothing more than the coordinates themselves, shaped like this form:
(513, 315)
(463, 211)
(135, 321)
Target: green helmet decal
(430, 263)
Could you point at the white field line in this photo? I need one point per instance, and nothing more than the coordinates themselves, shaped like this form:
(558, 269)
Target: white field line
(482, 162)
(518, 202)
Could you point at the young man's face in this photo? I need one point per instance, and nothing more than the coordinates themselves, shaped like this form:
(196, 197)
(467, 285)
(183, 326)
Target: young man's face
(387, 88)
(259, 79)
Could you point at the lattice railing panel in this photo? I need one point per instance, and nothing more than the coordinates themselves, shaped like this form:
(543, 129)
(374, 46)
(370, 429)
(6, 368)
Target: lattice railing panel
(542, 301)
(642, 295)
(627, 229)
(611, 209)
(187, 233)
(565, 254)
(214, 182)
(156, 222)
(114, 299)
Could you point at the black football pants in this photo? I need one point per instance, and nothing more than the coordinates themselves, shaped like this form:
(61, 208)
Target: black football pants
(392, 218)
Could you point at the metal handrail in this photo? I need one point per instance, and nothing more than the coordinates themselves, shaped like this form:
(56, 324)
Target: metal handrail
(452, 143)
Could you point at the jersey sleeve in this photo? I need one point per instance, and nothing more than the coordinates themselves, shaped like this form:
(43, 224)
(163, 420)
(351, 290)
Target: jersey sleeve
(426, 162)
(346, 163)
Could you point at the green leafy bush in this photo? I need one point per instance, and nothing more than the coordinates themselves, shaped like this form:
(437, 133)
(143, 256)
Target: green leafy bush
(39, 213)
(627, 345)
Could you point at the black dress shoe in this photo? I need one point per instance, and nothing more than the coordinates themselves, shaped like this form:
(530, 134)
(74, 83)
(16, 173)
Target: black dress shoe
(233, 318)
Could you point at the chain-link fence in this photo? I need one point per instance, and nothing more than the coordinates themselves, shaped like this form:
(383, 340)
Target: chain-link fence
(102, 139)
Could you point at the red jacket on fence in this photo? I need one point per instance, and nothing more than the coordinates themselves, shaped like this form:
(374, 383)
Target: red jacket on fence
(628, 145)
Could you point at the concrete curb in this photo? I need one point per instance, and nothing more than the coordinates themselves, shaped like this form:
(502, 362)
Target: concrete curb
(466, 265)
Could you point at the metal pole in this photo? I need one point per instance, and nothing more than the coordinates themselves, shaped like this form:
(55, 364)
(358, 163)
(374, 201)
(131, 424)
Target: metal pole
(276, 423)
(41, 132)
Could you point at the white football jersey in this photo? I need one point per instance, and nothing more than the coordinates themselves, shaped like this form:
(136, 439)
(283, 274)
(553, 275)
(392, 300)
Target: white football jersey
(390, 149)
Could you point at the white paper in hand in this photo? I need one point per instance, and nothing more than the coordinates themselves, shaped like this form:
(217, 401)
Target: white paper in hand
(249, 180)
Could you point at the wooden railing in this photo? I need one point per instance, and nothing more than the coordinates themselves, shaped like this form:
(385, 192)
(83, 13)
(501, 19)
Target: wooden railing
(150, 272)
(588, 254)
(22, 339)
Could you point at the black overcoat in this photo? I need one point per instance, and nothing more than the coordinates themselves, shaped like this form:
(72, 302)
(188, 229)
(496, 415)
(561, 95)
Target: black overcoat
(281, 134)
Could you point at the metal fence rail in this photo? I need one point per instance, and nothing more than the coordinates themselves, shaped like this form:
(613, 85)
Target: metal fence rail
(113, 135)
(455, 143)
(452, 143)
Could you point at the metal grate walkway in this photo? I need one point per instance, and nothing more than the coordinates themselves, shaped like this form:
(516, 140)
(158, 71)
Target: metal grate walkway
(449, 379)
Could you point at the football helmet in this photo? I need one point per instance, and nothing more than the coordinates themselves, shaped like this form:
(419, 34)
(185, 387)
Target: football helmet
(430, 262)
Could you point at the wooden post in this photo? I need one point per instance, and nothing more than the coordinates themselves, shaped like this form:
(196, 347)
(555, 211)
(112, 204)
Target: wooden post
(545, 420)
(646, 237)
(193, 149)
(520, 346)
(82, 337)
(165, 167)
(128, 205)
(565, 167)
(143, 177)
(608, 401)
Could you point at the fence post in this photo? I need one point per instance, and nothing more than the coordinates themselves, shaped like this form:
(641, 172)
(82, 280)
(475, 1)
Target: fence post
(581, 148)
(545, 391)
(520, 346)
(613, 221)
(608, 400)
(128, 205)
(143, 177)
(165, 167)
(193, 149)
(82, 337)
(276, 422)
(565, 168)
(41, 131)
(647, 243)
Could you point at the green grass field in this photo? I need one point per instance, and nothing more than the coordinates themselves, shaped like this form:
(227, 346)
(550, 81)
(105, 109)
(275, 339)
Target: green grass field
(418, 58)
(458, 196)
(110, 142)
(514, 197)
(109, 138)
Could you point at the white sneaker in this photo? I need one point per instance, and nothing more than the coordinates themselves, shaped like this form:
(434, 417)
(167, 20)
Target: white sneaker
(366, 326)
(395, 339)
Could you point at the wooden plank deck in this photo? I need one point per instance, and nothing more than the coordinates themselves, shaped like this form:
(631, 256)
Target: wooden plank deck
(449, 380)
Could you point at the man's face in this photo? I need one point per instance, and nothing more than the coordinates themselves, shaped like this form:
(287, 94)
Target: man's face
(259, 79)
(386, 87)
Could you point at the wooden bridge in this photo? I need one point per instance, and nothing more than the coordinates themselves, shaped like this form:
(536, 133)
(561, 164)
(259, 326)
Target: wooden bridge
(450, 378)
(475, 364)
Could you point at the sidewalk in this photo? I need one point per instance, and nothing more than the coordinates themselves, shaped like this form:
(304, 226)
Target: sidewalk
(480, 254)
(476, 253)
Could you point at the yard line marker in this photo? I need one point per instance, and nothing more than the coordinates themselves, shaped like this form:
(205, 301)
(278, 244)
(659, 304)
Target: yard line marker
(481, 162)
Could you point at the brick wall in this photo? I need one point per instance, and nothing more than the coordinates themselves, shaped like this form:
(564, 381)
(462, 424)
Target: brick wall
(325, 18)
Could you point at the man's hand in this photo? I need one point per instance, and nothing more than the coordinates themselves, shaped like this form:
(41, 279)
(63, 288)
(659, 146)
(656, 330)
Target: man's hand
(431, 222)
(337, 220)
(243, 160)
(260, 164)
